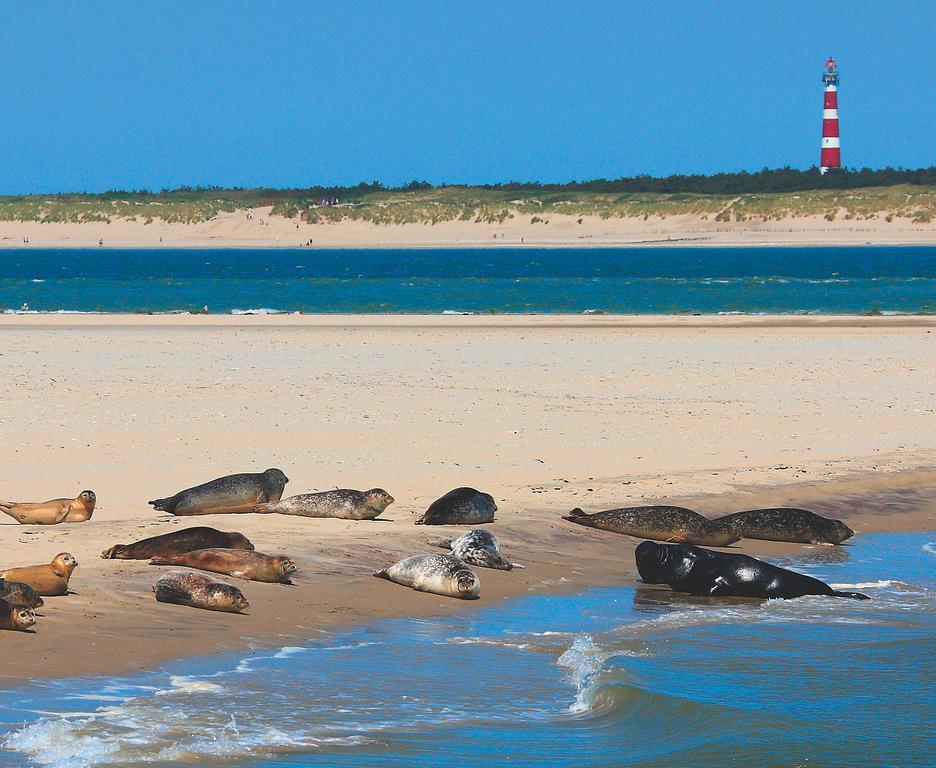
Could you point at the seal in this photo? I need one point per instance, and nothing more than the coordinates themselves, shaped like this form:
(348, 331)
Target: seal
(178, 542)
(799, 526)
(198, 591)
(48, 580)
(253, 566)
(232, 493)
(20, 594)
(663, 523)
(16, 617)
(478, 547)
(52, 512)
(462, 506)
(342, 503)
(439, 574)
(700, 571)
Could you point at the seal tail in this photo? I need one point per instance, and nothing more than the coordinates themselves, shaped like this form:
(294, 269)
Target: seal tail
(517, 565)
(112, 553)
(264, 508)
(167, 560)
(382, 574)
(420, 521)
(441, 543)
(163, 505)
(852, 595)
(578, 516)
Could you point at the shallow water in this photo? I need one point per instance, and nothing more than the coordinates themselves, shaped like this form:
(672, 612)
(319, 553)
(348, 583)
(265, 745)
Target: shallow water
(605, 677)
(848, 280)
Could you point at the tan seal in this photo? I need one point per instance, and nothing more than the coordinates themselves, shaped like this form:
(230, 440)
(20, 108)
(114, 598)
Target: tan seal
(48, 580)
(52, 512)
(198, 591)
(16, 617)
(239, 563)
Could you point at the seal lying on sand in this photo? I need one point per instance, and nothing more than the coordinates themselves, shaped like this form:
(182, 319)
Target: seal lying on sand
(20, 594)
(789, 524)
(232, 493)
(16, 617)
(439, 574)
(342, 503)
(253, 566)
(177, 542)
(198, 591)
(662, 523)
(52, 512)
(48, 580)
(478, 547)
(463, 506)
(703, 572)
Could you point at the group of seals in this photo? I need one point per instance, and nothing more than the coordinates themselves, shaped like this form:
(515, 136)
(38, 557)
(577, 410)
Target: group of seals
(698, 571)
(53, 512)
(684, 526)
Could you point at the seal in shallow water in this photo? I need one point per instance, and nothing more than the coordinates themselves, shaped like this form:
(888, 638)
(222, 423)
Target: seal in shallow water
(439, 574)
(342, 503)
(49, 579)
(198, 591)
(478, 547)
(462, 506)
(52, 512)
(663, 523)
(229, 494)
(789, 524)
(16, 617)
(20, 594)
(253, 566)
(700, 571)
(177, 542)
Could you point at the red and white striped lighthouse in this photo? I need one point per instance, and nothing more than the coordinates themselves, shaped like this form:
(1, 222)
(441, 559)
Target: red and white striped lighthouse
(830, 157)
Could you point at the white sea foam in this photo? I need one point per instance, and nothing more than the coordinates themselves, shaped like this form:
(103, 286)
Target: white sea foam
(867, 585)
(455, 312)
(930, 547)
(584, 659)
(181, 684)
(260, 311)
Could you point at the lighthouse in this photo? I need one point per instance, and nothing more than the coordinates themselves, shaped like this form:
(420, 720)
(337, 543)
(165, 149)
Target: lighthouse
(830, 157)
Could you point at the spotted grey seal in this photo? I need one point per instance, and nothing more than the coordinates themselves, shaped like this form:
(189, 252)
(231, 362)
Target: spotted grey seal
(789, 524)
(700, 571)
(663, 523)
(198, 591)
(16, 617)
(52, 512)
(49, 579)
(232, 493)
(177, 542)
(242, 564)
(20, 594)
(439, 574)
(342, 503)
(462, 506)
(478, 547)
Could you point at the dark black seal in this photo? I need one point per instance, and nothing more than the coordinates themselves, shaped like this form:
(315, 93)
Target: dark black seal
(232, 493)
(178, 543)
(463, 506)
(17, 593)
(789, 524)
(700, 571)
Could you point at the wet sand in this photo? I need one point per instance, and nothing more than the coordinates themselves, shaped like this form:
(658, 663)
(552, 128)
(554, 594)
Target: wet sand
(722, 414)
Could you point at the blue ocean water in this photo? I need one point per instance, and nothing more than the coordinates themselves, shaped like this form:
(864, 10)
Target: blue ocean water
(848, 280)
(618, 676)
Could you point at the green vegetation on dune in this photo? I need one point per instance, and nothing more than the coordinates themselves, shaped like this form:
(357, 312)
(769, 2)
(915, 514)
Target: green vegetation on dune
(767, 195)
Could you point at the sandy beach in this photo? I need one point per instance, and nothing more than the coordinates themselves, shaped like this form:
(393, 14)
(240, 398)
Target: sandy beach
(546, 413)
(264, 230)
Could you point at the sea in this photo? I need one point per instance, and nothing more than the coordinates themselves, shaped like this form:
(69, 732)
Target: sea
(829, 280)
(610, 677)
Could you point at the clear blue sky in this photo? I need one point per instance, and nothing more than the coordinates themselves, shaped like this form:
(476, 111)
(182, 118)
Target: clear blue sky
(98, 95)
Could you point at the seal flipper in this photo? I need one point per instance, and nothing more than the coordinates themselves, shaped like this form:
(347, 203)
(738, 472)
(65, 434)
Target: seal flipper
(112, 553)
(164, 560)
(441, 543)
(382, 574)
(580, 517)
(164, 505)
